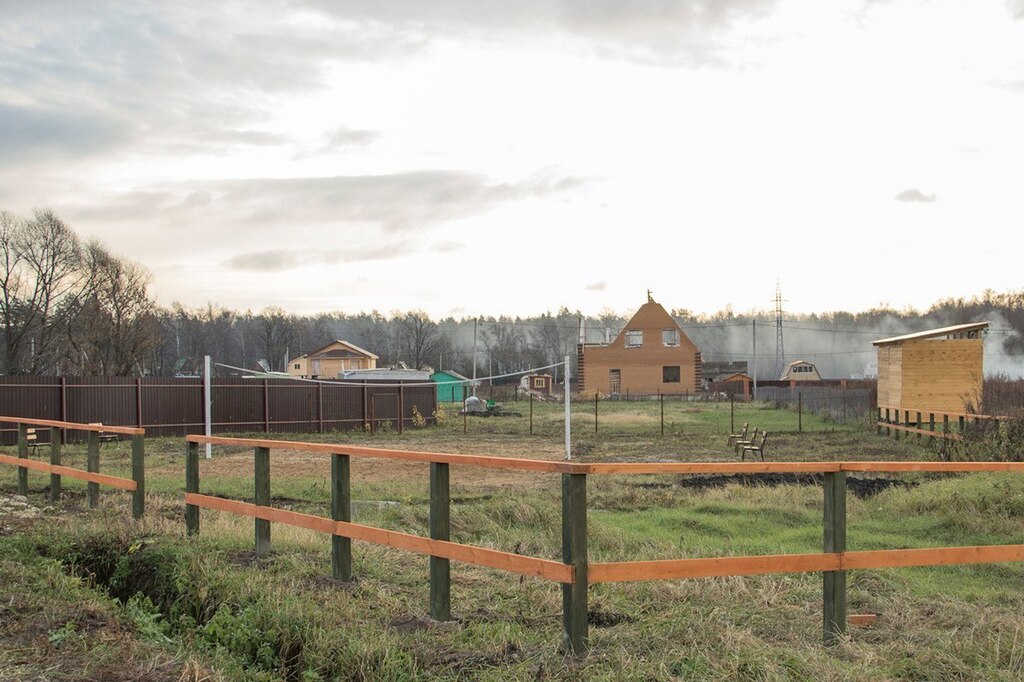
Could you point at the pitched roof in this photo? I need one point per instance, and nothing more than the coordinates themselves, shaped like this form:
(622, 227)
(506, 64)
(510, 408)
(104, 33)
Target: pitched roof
(328, 352)
(932, 333)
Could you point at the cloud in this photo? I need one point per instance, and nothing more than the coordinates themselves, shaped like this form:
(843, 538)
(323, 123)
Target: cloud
(349, 137)
(914, 195)
(596, 286)
(446, 247)
(328, 211)
(277, 260)
(1016, 8)
(39, 131)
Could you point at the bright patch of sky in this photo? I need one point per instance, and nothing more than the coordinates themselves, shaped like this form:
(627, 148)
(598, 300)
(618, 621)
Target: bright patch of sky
(492, 158)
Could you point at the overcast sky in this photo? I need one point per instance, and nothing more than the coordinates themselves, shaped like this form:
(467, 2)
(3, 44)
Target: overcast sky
(493, 157)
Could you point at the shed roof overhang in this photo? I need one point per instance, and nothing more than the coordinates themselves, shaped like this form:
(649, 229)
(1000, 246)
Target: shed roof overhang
(934, 333)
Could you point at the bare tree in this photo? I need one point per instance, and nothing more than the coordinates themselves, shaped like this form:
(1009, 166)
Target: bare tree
(417, 337)
(114, 328)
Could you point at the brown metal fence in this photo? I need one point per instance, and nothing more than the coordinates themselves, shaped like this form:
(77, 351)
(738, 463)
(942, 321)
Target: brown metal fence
(167, 406)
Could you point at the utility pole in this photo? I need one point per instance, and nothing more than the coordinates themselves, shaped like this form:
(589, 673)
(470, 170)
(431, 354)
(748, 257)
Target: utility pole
(474, 357)
(780, 353)
(753, 326)
(207, 403)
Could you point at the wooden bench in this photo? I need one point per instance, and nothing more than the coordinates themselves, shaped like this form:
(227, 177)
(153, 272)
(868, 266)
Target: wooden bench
(755, 447)
(106, 437)
(739, 444)
(742, 435)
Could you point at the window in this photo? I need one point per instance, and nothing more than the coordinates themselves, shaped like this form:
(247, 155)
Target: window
(634, 338)
(538, 382)
(298, 366)
(670, 375)
(670, 337)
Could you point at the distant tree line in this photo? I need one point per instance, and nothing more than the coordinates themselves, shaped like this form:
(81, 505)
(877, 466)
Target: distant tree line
(73, 307)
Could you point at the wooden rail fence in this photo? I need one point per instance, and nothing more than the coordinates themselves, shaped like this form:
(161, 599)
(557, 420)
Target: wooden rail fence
(951, 425)
(136, 484)
(575, 572)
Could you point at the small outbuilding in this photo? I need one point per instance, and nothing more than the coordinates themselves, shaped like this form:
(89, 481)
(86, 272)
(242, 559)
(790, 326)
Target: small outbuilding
(451, 386)
(537, 383)
(940, 370)
(800, 370)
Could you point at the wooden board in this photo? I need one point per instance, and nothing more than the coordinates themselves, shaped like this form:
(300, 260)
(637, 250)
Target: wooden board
(46, 467)
(628, 571)
(519, 464)
(481, 556)
(102, 428)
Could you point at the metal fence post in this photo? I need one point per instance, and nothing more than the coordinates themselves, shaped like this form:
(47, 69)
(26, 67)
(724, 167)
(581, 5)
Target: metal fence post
(92, 463)
(192, 486)
(440, 529)
(834, 582)
(262, 499)
(22, 454)
(55, 437)
(341, 510)
(574, 553)
(139, 475)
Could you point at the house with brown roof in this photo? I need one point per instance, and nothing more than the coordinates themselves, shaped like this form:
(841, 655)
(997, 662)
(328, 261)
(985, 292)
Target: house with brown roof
(650, 355)
(331, 361)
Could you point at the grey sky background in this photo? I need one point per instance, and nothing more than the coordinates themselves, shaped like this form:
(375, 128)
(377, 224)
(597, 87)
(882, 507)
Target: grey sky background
(486, 157)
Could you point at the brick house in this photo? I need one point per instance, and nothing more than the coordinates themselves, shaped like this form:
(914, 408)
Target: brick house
(650, 355)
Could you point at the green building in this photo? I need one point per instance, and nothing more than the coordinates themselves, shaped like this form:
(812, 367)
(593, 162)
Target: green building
(452, 387)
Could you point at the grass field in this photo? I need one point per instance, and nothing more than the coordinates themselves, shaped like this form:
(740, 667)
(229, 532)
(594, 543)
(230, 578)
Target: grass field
(93, 595)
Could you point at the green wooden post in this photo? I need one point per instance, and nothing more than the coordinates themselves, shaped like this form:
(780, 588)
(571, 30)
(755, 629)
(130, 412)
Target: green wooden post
(574, 552)
(341, 510)
(800, 411)
(139, 475)
(878, 423)
(931, 425)
(531, 414)
(917, 425)
(834, 582)
(22, 454)
(440, 529)
(192, 486)
(262, 499)
(595, 413)
(92, 463)
(55, 460)
(661, 400)
(961, 424)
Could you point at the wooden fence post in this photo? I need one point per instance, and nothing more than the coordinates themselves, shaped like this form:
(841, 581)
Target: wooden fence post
(800, 411)
(732, 413)
(440, 529)
(401, 407)
(595, 413)
(139, 475)
(834, 582)
(262, 499)
(192, 486)
(878, 422)
(574, 553)
(341, 510)
(918, 426)
(92, 463)
(531, 414)
(931, 425)
(266, 406)
(22, 454)
(55, 438)
(661, 400)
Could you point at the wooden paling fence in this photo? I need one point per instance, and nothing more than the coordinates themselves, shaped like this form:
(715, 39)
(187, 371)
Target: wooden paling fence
(946, 425)
(574, 571)
(136, 484)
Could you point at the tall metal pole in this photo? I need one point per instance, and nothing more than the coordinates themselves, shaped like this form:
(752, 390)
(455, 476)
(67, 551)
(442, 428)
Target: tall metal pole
(207, 403)
(753, 325)
(568, 411)
(474, 357)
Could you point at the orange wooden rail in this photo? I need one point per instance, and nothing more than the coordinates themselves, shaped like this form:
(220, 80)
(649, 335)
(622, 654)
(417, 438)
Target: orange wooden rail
(112, 481)
(669, 569)
(74, 426)
(481, 556)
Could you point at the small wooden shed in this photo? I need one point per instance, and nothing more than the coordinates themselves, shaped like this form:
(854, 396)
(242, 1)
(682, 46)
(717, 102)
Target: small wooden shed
(939, 370)
(537, 383)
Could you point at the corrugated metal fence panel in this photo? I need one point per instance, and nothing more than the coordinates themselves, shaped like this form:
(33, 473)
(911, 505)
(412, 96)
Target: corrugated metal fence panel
(28, 396)
(174, 406)
(237, 405)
